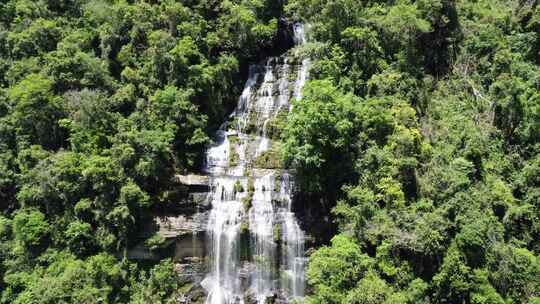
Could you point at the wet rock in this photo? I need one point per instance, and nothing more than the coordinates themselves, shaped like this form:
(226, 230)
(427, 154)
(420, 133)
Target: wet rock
(192, 271)
(192, 179)
(141, 252)
(191, 247)
(194, 182)
(170, 226)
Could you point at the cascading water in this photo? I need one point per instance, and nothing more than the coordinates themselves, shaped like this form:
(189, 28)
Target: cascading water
(256, 244)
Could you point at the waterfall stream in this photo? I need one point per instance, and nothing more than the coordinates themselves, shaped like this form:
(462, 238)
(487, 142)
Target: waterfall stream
(256, 245)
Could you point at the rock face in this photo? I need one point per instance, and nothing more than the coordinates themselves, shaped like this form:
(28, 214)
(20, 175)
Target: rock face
(188, 233)
(183, 228)
(193, 180)
(181, 225)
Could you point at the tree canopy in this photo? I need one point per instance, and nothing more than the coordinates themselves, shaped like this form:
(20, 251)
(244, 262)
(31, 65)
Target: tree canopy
(419, 131)
(417, 136)
(101, 103)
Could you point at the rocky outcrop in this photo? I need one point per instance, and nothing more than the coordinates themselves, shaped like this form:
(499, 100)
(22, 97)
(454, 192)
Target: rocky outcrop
(181, 225)
(192, 180)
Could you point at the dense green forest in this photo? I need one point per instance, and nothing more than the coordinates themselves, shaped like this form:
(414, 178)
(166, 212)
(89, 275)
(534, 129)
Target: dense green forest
(422, 127)
(101, 102)
(418, 136)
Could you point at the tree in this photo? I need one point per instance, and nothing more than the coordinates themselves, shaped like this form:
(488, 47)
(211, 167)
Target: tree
(79, 238)
(335, 269)
(36, 112)
(160, 285)
(31, 229)
(453, 282)
(319, 137)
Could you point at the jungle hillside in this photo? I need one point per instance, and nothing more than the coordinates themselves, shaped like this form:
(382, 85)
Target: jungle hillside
(415, 146)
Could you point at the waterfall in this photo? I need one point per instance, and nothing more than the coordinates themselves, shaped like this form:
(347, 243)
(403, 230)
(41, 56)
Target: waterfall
(256, 245)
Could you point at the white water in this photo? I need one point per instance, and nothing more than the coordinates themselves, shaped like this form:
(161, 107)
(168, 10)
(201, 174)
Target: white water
(256, 250)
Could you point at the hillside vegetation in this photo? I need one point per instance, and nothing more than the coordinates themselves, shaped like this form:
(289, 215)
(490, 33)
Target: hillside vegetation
(101, 102)
(418, 136)
(420, 133)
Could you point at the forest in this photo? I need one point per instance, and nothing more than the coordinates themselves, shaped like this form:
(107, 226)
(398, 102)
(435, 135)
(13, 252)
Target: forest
(417, 137)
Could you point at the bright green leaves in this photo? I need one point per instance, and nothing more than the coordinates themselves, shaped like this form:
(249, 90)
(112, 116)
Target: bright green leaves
(79, 237)
(453, 282)
(52, 183)
(159, 285)
(38, 38)
(66, 280)
(36, 111)
(240, 26)
(373, 290)
(185, 56)
(336, 268)
(484, 292)
(320, 136)
(73, 69)
(342, 274)
(514, 272)
(101, 174)
(90, 121)
(132, 196)
(442, 133)
(332, 139)
(516, 102)
(31, 229)
(404, 21)
(102, 102)
(477, 237)
(174, 107)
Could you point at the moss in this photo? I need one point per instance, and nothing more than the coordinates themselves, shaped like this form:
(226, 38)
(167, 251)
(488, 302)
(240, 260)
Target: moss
(270, 301)
(238, 188)
(155, 243)
(276, 124)
(251, 124)
(277, 183)
(244, 241)
(233, 139)
(251, 185)
(234, 158)
(185, 288)
(244, 227)
(270, 159)
(247, 201)
(233, 123)
(277, 233)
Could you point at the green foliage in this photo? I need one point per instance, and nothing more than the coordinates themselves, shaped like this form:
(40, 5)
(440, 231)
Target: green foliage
(270, 159)
(101, 104)
(417, 134)
(419, 130)
(155, 242)
(335, 269)
(66, 280)
(36, 112)
(318, 136)
(159, 285)
(453, 282)
(31, 229)
(79, 237)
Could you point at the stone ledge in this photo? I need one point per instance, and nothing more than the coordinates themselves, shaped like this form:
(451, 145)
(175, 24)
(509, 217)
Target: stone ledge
(192, 179)
(173, 226)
